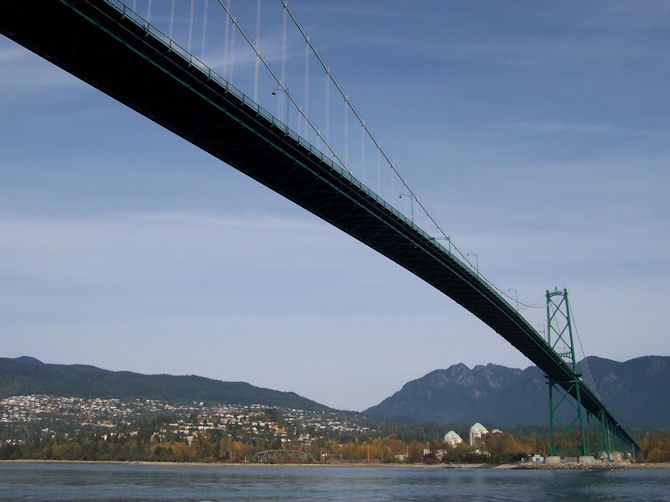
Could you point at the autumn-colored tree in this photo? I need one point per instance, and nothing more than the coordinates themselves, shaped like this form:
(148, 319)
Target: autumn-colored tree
(504, 444)
(655, 447)
(416, 451)
(202, 447)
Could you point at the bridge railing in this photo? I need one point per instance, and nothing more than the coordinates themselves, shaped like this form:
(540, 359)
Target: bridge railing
(247, 101)
(255, 107)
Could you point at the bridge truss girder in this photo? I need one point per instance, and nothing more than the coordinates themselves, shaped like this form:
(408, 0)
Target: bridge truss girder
(283, 456)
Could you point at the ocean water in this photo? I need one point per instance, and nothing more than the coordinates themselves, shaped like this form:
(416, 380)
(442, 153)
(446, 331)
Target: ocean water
(121, 482)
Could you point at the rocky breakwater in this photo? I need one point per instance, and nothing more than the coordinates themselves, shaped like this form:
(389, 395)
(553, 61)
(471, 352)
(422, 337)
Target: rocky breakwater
(592, 466)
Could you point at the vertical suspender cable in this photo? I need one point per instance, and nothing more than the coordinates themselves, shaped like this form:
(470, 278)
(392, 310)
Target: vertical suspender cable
(149, 12)
(346, 132)
(171, 18)
(134, 5)
(204, 31)
(306, 90)
(232, 52)
(258, 36)
(379, 172)
(326, 141)
(283, 61)
(327, 106)
(225, 45)
(282, 87)
(363, 151)
(190, 26)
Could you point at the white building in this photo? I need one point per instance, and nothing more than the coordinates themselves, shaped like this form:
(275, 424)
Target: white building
(476, 432)
(452, 439)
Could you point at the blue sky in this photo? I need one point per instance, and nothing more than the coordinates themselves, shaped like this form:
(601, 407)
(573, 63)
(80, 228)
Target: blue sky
(537, 134)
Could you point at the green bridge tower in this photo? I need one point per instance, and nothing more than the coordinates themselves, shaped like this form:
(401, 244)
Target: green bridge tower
(563, 424)
(572, 428)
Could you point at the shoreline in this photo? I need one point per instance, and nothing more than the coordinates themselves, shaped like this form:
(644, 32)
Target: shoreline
(247, 464)
(539, 467)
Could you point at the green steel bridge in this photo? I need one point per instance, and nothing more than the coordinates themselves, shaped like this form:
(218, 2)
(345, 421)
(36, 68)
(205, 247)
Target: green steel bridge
(105, 44)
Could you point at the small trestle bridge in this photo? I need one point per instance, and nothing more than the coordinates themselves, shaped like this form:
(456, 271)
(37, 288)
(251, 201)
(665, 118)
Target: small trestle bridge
(283, 457)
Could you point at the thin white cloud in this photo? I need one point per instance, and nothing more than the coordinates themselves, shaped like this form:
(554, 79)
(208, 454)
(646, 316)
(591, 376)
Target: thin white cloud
(243, 56)
(172, 252)
(550, 127)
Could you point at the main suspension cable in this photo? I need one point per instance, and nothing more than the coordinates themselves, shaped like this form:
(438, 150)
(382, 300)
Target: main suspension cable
(581, 347)
(390, 163)
(282, 86)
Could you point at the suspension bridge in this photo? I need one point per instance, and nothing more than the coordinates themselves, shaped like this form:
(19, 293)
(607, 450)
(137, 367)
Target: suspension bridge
(107, 44)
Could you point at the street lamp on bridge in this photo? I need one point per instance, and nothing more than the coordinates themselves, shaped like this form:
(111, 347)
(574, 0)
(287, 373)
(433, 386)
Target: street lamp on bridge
(285, 91)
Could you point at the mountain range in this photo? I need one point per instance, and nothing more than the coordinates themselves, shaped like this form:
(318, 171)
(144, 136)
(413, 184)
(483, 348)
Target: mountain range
(635, 391)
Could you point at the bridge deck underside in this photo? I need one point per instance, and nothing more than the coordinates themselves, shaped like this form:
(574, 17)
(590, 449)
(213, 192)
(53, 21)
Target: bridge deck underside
(91, 40)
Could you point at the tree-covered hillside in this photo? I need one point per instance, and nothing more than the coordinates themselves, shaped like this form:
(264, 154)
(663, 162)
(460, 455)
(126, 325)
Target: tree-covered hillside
(26, 375)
